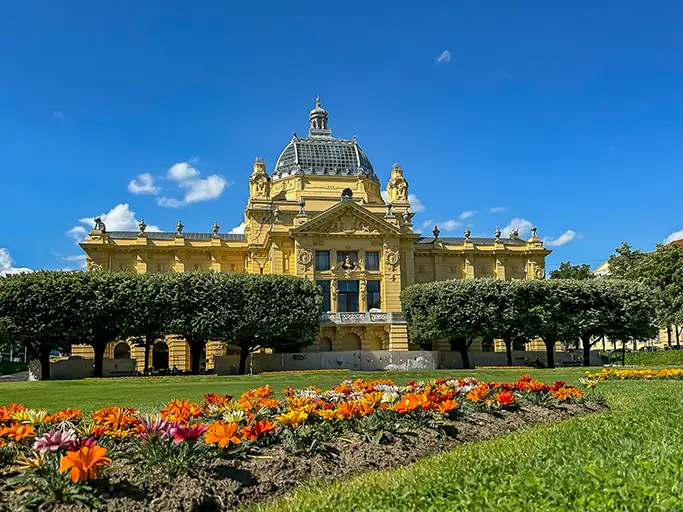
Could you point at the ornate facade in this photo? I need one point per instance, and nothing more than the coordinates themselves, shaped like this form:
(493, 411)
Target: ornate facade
(320, 214)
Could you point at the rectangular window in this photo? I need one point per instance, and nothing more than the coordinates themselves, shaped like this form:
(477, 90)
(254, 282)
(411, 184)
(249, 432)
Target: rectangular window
(325, 288)
(372, 260)
(348, 296)
(374, 300)
(322, 260)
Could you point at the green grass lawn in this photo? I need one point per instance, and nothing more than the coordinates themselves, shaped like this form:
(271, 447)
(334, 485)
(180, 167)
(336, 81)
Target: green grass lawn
(629, 459)
(150, 393)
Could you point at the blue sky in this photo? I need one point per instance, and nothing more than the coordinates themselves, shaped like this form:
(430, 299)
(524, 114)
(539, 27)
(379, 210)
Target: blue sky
(566, 115)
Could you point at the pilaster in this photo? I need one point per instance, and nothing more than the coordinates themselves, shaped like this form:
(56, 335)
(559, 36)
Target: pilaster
(398, 337)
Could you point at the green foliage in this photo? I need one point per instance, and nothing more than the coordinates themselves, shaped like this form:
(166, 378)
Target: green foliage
(42, 312)
(569, 271)
(9, 367)
(308, 438)
(625, 460)
(162, 461)
(556, 310)
(659, 358)
(43, 488)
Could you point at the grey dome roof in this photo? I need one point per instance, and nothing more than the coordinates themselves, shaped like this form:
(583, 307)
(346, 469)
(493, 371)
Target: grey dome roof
(322, 154)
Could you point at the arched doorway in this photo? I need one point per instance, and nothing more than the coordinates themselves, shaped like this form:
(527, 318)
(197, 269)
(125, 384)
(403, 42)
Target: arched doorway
(373, 343)
(325, 344)
(122, 351)
(160, 356)
(350, 341)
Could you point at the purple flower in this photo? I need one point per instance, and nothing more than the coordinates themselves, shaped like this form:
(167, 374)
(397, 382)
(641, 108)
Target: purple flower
(54, 440)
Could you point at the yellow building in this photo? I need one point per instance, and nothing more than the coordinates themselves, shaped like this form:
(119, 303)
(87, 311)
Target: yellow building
(320, 214)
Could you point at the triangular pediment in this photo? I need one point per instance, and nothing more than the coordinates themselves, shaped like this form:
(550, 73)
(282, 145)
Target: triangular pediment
(347, 218)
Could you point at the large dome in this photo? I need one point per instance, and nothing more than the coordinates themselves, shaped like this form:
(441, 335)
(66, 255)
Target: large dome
(322, 154)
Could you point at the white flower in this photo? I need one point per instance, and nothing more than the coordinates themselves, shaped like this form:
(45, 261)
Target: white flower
(389, 397)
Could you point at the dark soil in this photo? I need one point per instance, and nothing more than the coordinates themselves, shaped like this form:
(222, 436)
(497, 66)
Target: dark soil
(229, 484)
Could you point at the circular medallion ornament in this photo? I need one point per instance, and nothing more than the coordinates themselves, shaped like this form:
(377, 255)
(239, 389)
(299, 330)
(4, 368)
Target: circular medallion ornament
(540, 273)
(305, 257)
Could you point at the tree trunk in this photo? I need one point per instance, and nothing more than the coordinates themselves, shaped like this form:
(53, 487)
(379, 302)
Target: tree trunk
(196, 348)
(465, 357)
(550, 353)
(508, 350)
(44, 358)
(668, 335)
(245, 350)
(623, 354)
(99, 348)
(678, 340)
(586, 340)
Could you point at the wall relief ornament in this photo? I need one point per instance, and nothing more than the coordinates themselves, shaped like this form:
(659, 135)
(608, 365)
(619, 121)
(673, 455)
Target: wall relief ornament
(391, 257)
(92, 266)
(539, 273)
(305, 257)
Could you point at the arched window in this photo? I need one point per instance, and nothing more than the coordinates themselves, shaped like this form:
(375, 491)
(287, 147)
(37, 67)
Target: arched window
(122, 351)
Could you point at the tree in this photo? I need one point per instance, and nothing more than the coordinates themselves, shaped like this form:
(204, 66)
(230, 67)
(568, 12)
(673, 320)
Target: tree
(626, 263)
(41, 312)
(109, 310)
(551, 303)
(199, 308)
(569, 271)
(634, 316)
(151, 319)
(269, 311)
(512, 321)
(457, 310)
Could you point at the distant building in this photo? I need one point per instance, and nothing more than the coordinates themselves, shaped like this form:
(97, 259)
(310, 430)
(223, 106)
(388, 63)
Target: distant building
(320, 214)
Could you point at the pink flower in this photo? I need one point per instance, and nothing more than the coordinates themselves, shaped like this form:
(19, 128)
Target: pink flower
(155, 426)
(54, 440)
(187, 433)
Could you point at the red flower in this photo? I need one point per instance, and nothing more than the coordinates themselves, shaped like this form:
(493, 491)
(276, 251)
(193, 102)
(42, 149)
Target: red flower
(187, 433)
(505, 398)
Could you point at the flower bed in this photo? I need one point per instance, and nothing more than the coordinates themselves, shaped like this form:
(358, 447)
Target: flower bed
(224, 452)
(623, 374)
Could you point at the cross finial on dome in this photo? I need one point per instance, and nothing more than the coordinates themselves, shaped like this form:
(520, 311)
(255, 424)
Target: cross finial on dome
(317, 101)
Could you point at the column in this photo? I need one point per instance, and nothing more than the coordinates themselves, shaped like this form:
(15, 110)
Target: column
(398, 336)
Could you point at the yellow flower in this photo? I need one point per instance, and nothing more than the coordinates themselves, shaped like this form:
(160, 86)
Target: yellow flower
(292, 418)
(22, 463)
(234, 416)
(30, 416)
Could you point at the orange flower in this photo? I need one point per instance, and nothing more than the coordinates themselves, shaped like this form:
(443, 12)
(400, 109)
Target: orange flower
(409, 403)
(365, 409)
(181, 411)
(86, 463)
(538, 387)
(18, 432)
(447, 406)
(67, 414)
(7, 411)
(505, 398)
(256, 429)
(2, 443)
(565, 394)
(222, 434)
(269, 402)
(347, 410)
(478, 393)
(213, 398)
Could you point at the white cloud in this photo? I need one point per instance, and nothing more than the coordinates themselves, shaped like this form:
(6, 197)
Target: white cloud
(564, 238)
(119, 218)
(444, 57)
(448, 225)
(182, 171)
(239, 229)
(497, 209)
(6, 264)
(467, 214)
(57, 114)
(143, 184)
(416, 205)
(427, 223)
(676, 235)
(523, 225)
(196, 188)
(385, 195)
